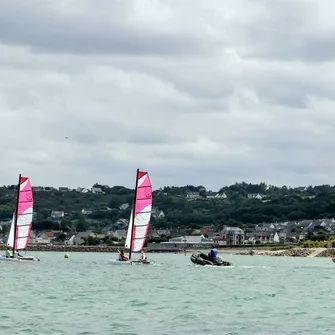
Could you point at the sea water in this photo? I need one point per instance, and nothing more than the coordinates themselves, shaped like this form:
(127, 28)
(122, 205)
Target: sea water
(85, 295)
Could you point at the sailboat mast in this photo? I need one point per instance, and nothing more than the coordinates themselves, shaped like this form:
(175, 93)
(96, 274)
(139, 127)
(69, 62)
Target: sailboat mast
(16, 212)
(134, 211)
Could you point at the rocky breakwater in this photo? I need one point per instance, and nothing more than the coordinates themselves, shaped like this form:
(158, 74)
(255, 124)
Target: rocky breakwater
(295, 252)
(72, 248)
(330, 252)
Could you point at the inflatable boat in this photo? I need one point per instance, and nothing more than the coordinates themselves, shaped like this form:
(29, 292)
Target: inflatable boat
(203, 259)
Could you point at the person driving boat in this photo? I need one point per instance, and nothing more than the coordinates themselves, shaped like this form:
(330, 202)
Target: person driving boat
(213, 254)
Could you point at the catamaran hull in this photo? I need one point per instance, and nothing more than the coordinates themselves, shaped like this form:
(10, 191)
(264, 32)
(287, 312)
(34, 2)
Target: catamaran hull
(117, 262)
(19, 259)
(8, 259)
(29, 258)
(138, 262)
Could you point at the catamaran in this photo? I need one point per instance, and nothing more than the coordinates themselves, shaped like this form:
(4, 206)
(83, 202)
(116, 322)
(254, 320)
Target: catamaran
(20, 229)
(139, 219)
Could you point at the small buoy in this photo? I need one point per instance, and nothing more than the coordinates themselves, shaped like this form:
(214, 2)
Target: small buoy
(67, 255)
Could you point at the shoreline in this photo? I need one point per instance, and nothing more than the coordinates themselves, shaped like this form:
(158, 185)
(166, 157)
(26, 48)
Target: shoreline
(72, 248)
(293, 252)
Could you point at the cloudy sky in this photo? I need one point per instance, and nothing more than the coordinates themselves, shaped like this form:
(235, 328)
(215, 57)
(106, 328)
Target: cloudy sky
(195, 92)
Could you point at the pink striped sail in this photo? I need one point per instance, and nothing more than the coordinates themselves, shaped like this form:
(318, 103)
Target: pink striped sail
(24, 217)
(143, 206)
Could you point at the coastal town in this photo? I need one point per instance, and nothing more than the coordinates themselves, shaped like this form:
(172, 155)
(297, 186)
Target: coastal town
(279, 233)
(103, 218)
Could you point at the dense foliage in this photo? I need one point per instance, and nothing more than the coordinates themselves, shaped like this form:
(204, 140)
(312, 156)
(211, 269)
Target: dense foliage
(278, 204)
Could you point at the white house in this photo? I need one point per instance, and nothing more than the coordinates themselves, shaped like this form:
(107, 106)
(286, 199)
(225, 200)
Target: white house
(120, 234)
(215, 195)
(255, 196)
(69, 240)
(193, 195)
(82, 190)
(57, 214)
(81, 237)
(97, 190)
(276, 238)
(86, 211)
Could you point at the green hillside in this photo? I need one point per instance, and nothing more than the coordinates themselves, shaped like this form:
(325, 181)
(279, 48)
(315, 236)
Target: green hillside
(276, 204)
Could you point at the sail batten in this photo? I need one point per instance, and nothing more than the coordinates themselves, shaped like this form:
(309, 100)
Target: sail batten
(21, 224)
(139, 224)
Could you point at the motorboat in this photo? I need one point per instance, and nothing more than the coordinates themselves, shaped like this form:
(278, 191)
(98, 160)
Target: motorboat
(203, 259)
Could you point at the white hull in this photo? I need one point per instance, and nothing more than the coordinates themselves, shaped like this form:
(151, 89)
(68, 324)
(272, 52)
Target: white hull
(19, 259)
(135, 262)
(29, 258)
(117, 262)
(8, 259)
(147, 262)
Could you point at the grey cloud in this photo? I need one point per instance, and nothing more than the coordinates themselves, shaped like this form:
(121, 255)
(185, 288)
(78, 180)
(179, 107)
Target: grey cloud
(289, 30)
(222, 93)
(210, 85)
(44, 27)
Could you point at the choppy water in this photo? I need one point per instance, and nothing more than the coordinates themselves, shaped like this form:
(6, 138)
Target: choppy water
(85, 295)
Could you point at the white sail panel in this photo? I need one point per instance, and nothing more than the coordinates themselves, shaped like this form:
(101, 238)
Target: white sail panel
(141, 226)
(23, 229)
(10, 240)
(130, 225)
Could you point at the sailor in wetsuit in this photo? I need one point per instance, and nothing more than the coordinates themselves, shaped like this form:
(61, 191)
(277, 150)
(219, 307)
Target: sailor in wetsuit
(9, 253)
(213, 254)
(122, 257)
(143, 256)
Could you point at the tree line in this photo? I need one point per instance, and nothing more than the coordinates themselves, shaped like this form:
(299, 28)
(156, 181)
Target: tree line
(277, 204)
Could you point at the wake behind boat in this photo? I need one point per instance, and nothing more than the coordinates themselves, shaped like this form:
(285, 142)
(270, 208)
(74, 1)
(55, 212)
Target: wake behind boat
(203, 259)
(21, 225)
(139, 222)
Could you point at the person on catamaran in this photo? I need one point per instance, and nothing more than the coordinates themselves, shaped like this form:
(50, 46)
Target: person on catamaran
(213, 254)
(18, 253)
(9, 253)
(143, 256)
(122, 257)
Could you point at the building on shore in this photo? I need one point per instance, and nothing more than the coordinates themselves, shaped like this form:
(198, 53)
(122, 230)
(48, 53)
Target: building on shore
(233, 235)
(181, 243)
(227, 236)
